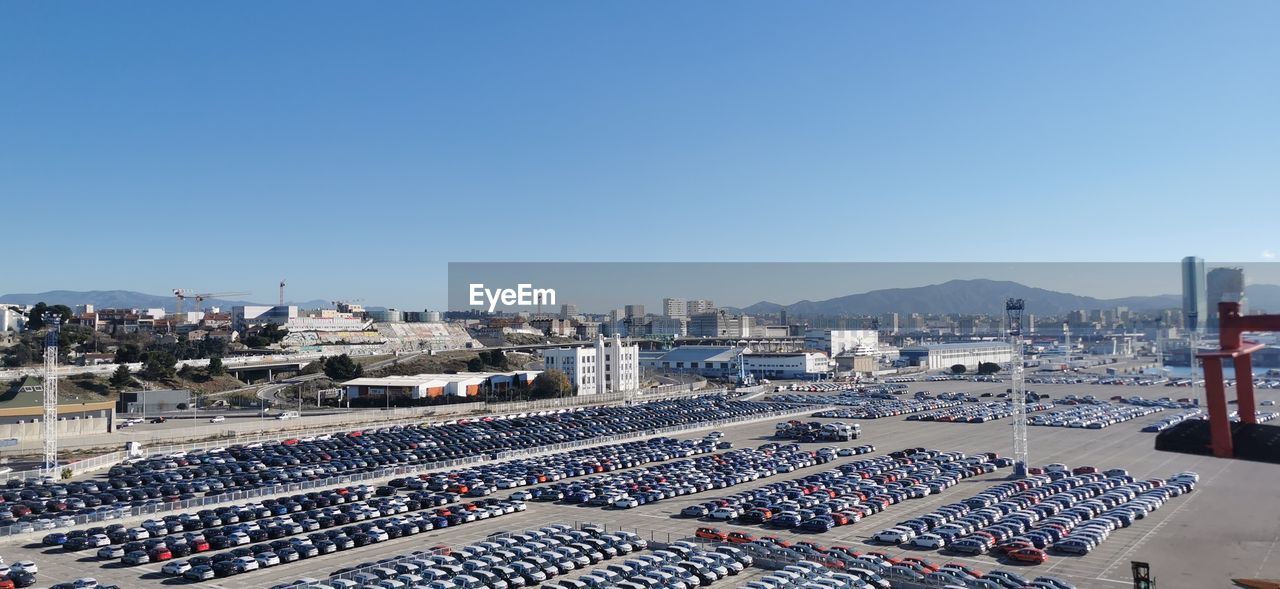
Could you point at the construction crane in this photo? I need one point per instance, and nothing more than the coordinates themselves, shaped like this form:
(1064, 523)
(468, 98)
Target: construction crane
(50, 424)
(1018, 395)
(182, 295)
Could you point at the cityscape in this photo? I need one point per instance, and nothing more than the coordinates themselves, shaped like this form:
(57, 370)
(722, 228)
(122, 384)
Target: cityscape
(326, 295)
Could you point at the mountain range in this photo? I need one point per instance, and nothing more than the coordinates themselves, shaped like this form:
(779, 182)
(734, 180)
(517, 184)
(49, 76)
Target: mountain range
(128, 299)
(981, 296)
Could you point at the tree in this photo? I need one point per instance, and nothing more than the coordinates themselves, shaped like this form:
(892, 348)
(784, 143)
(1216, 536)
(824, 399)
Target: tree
(121, 378)
(19, 355)
(551, 383)
(128, 354)
(988, 368)
(158, 365)
(215, 367)
(273, 333)
(475, 365)
(495, 358)
(958, 369)
(342, 368)
(186, 371)
(35, 317)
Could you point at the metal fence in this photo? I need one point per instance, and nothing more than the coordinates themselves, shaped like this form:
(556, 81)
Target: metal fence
(371, 476)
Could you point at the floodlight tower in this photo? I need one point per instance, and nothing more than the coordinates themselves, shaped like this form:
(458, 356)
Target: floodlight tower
(1013, 311)
(50, 423)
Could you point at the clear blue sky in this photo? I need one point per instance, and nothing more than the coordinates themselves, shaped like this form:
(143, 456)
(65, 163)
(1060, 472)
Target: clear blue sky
(356, 148)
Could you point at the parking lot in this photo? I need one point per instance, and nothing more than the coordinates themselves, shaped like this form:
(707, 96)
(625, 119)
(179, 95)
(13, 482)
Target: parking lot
(1225, 529)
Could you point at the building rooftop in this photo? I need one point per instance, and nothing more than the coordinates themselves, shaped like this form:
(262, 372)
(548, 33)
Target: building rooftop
(703, 354)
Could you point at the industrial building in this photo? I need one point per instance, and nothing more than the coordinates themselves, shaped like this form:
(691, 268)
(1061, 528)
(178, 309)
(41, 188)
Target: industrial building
(22, 408)
(970, 354)
(608, 366)
(395, 389)
(143, 402)
(836, 342)
(709, 361)
(804, 364)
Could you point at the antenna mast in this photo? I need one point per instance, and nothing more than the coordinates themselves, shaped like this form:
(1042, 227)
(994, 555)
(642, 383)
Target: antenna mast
(1013, 311)
(50, 425)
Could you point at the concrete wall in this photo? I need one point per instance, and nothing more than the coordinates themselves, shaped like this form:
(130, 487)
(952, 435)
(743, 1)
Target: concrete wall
(32, 430)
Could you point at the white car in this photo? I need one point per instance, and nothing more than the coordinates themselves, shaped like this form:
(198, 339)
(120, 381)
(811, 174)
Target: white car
(626, 503)
(268, 559)
(217, 419)
(724, 513)
(28, 566)
(929, 541)
(175, 567)
(895, 535)
(246, 563)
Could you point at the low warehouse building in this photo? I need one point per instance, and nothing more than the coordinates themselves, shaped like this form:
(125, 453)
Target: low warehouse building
(429, 386)
(970, 354)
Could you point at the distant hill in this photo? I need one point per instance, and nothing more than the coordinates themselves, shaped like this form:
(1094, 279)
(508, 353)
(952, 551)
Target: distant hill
(128, 299)
(1262, 297)
(962, 297)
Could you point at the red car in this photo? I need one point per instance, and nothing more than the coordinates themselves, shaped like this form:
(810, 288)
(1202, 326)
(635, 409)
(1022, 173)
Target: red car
(1031, 555)
(710, 534)
(740, 537)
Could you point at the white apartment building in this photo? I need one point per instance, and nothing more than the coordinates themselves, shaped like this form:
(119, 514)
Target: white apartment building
(607, 367)
(674, 308)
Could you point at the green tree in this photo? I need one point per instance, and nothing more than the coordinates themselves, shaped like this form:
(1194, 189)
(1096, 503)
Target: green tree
(958, 369)
(988, 368)
(495, 358)
(273, 333)
(215, 367)
(35, 317)
(552, 383)
(342, 368)
(475, 365)
(187, 371)
(19, 355)
(121, 378)
(158, 365)
(128, 354)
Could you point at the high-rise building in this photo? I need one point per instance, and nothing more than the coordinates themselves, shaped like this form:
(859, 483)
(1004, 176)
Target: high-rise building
(697, 306)
(674, 308)
(1193, 292)
(610, 366)
(634, 311)
(568, 311)
(1223, 285)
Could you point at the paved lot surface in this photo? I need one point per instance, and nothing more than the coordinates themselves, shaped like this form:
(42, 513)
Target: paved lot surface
(1229, 527)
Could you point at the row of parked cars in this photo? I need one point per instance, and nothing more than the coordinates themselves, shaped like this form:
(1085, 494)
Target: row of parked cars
(626, 490)
(878, 569)
(482, 480)
(1021, 520)
(532, 557)
(842, 496)
(215, 521)
(252, 557)
(877, 405)
(1092, 416)
(43, 504)
(981, 413)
